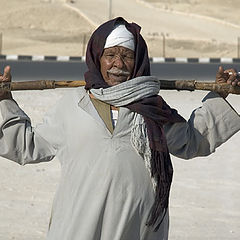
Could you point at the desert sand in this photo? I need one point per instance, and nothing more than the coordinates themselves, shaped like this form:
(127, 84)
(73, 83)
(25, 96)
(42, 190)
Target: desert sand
(192, 28)
(206, 191)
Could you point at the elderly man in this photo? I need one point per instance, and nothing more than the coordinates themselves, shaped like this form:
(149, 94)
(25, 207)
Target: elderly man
(113, 139)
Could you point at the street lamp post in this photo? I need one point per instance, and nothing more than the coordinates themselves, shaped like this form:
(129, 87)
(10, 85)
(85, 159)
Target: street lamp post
(238, 48)
(110, 9)
(0, 43)
(163, 44)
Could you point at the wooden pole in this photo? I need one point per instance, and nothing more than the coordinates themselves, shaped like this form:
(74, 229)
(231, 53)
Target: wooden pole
(189, 85)
(39, 85)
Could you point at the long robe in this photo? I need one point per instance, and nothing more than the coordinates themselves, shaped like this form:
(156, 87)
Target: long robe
(105, 191)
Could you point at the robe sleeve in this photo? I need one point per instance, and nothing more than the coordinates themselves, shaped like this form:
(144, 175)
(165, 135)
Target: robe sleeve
(22, 143)
(208, 127)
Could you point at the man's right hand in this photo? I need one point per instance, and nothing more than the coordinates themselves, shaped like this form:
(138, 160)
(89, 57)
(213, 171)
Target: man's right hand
(5, 77)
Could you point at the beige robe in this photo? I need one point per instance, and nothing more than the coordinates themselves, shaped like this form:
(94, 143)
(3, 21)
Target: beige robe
(105, 192)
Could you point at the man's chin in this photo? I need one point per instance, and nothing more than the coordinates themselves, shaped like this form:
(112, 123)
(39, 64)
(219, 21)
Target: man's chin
(115, 81)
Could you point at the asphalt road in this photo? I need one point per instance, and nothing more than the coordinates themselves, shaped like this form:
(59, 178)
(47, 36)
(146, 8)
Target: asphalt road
(71, 70)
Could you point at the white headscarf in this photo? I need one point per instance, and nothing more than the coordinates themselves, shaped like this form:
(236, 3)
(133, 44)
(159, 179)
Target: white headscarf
(120, 36)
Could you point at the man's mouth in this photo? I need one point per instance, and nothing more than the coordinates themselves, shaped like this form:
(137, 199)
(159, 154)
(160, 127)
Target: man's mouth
(119, 72)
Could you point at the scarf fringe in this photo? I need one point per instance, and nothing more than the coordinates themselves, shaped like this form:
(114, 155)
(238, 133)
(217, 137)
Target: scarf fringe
(159, 167)
(140, 141)
(162, 171)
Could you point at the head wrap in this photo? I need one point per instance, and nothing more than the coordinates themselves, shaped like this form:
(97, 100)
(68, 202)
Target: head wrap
(95, 48)
(154, 110)
(120, 36)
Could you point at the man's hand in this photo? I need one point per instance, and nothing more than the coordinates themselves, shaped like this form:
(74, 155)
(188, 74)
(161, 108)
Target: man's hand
(229, 76)
(5, 77)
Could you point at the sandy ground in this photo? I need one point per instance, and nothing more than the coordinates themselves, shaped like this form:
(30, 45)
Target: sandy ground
(38, 27)
(206, 191)
(192, 28)
(204, 198)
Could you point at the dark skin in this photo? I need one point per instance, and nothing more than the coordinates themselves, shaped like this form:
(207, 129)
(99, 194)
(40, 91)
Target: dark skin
(125, 62)
(6, 77)
(116, 65)
(223, 76)
(227, 76)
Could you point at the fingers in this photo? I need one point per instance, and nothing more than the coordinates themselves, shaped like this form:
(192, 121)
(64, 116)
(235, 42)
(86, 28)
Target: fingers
(221, 77)
(6, 75)
(220, 69)
(232, 76)
(229, 76)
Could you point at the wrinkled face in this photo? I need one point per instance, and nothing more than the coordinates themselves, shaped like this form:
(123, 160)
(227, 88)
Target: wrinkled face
(116, 65)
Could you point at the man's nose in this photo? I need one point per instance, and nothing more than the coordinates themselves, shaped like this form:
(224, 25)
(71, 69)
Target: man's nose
(118, 62)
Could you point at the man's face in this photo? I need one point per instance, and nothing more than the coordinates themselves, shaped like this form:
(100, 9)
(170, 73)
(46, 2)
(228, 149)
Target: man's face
(116, 65)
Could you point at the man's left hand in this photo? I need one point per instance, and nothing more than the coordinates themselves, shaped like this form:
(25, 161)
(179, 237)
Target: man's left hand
(229, 76)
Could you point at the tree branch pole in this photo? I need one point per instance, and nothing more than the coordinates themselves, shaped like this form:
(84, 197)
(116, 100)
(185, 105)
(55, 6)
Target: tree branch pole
(189, 85)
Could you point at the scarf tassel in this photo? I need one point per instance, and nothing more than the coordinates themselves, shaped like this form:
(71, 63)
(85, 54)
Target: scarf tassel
(162, 171)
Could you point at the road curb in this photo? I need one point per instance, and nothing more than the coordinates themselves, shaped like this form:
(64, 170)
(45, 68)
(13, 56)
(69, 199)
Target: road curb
(152, 59)
(41, 58)
(194, 60)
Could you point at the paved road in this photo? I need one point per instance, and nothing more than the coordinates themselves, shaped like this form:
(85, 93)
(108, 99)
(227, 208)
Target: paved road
(54, 70)
(45, 70)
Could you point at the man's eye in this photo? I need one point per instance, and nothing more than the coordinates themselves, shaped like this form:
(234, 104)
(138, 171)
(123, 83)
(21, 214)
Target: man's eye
(109, 55)
(129, 56)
